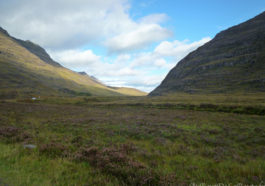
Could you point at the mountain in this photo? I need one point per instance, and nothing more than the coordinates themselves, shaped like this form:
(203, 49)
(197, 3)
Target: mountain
(234, 61)
(26, 69)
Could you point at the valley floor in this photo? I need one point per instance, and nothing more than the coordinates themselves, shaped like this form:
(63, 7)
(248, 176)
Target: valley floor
(131, 141)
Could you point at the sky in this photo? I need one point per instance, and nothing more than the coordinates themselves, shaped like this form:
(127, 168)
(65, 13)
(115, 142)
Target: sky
(131, 43)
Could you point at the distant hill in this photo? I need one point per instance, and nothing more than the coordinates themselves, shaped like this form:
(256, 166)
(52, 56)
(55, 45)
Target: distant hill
(234, 61)
(128, 91)
(26, 69)
(122, 90)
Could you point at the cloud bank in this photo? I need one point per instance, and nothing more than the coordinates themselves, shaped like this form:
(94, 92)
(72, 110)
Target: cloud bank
(140, 70)
(60, 24)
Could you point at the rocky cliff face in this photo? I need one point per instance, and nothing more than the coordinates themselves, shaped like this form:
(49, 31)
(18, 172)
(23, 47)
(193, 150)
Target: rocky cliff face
(234, 61)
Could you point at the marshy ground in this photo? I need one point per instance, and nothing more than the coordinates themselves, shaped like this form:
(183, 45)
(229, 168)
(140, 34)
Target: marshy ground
(133, 141)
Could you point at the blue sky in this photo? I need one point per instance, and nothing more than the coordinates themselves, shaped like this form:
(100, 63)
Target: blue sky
(131, 43)
(196, 18)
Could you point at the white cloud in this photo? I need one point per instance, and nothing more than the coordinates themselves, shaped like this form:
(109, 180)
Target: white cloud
(62, 24)
(75, 58)
(123, 57)
(93, 64)
(179, 49)
(143, 70)
(160, 62)
(150, 60)
(138, 38)
(153, 18)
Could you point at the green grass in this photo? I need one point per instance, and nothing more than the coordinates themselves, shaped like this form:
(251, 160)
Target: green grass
(118, 141)
(20, 167)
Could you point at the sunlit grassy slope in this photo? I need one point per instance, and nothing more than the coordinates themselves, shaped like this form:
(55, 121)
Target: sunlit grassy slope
(128, 91)
(23, 73)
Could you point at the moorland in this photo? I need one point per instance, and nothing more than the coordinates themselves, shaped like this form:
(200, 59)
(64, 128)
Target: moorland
(179, 139)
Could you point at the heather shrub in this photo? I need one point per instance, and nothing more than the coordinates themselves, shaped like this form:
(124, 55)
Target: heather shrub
(53, 149)
(12, 134)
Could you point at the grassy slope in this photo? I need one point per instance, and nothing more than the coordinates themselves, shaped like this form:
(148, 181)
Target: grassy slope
(26, 73)
(88, 141)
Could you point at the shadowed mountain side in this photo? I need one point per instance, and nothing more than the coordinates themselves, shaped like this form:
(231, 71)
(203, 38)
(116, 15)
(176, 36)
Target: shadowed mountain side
(234, 61)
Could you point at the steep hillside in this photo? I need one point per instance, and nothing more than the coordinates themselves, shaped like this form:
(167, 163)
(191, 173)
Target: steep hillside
(33, 48)
(234, 61)
(26, 69)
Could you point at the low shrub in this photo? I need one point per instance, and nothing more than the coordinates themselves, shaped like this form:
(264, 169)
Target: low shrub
(53, 149)
(11, 134)
(117, 163)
